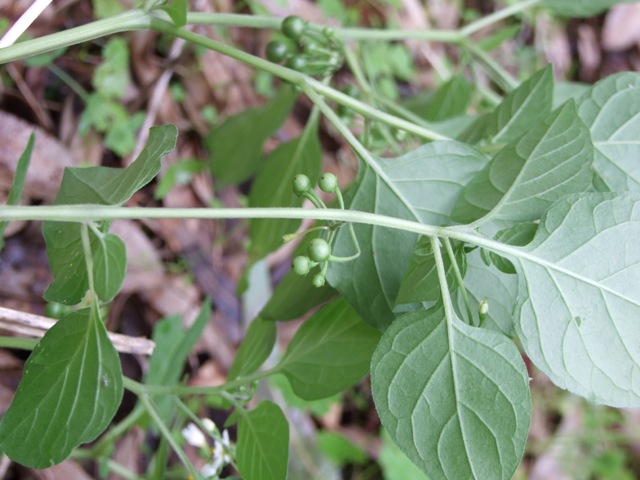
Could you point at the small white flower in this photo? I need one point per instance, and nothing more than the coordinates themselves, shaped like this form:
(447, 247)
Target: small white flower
(194, 436)
(209, 425)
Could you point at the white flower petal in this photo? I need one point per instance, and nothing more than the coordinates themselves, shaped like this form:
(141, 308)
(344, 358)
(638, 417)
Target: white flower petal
(194, 436)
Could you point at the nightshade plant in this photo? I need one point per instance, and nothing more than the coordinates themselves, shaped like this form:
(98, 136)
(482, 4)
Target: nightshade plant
(520, 223)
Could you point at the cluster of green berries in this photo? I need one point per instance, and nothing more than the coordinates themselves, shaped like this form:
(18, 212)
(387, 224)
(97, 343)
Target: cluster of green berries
(305, 50)
(318, 249)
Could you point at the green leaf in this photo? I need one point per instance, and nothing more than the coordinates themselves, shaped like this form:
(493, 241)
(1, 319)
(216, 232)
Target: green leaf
(262, 450)
(520, 234)
(563, 91)
(580, 8)
(178, 173)
(395, 464)
(329, 353)
(500, 290)
(528, 175)
(272, 188)
(177, 10)
(421, 283)
(173, 345)
(104, 186)
(493, 41)
(338, 449)
(578, 300)
(235, 146)
(19, 180)
(454, 398)
(611, 111)
(111, 78)
(422, 185)
(71, 389)
(255, 348)
(450, 100)
(525, 106)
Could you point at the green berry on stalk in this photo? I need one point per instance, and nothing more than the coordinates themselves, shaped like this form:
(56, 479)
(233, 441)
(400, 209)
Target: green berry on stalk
(328, 32)
(293, 27)
(297, 63)
(328, 182)
(301, 184)
(318, 280)
(301, 265)
(278, 51)
(311, 46)
(319, 250)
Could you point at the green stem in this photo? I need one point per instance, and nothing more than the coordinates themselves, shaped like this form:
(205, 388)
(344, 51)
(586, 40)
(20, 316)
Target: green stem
(493, 68)
(497, 16)
(153, 412)
(131, 20)
(459, 280)
(18, 343)
(141, 390)
(85, 213)
(442, 278)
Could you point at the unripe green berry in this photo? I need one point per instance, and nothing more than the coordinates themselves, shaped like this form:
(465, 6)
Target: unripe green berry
(328, 32)
(328, 182)
(311, 46)
(297, 63)
(293, 27)
(301, 265)
(301, 184)
(318, 280)
(319, 250)
(277, 51)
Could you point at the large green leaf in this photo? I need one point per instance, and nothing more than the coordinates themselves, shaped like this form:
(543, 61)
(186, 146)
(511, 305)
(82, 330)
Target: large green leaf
(262, 451)
(235, 147)
(579, 301)
(611, 110)
(329, 353)
(272, 188)
(255, 348)
(71, 389)
(103, 186)
(525, 106)
(523, 180)
(454, 398)
(450, 100)
(580, 8)
(422, 185)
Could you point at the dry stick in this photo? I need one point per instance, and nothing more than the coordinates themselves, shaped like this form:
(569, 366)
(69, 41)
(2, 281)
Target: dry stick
(28, 324)
(21, 25)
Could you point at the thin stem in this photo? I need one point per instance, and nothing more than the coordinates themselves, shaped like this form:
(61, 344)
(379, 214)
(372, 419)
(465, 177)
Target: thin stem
(153, 412)
(497, 16)
(499, 74)
(442, 278)
(18, 343)
(131, 20)
(88, 257)
(459, 280)
(140, 389)
(233, 20)
(70, 81)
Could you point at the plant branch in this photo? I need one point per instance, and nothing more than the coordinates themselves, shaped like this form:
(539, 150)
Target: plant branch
(459, 280)
(495, 17)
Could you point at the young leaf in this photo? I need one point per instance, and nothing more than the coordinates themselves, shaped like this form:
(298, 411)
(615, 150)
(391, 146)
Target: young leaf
(450, 100)
(611, 110)
(173, 345)
(528, 175)
(272, 188)
(18, 182)
(255, 348)
(519, 235)
(177, 10)
(578, 300)
(421, 283)
(454, 398)
(422, 185)
(262, 451)
(235, 146)
(580, 8)
(71, 389)
(487, 283)
(527, 105)
(105, 186)
(329, 353)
